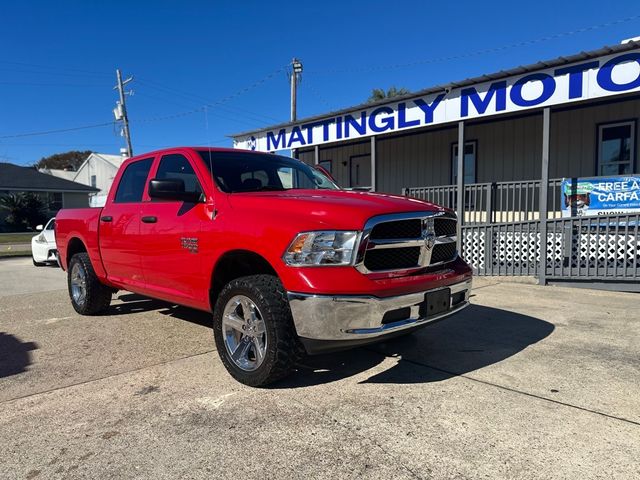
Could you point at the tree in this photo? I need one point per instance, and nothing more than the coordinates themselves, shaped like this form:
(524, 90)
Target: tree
(378, 94)
(66, 160)
(26, 210)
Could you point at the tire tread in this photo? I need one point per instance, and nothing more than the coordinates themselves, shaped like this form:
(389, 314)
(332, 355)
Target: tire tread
(274, 305)
(98, 295)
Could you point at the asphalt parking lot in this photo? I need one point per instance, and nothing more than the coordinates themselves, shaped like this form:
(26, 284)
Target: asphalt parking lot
(529, 382)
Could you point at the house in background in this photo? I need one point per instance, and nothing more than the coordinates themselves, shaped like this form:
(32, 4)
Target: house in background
(97, 171)
(55, 192)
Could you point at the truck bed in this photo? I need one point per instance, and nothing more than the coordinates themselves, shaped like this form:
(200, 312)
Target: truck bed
(80, 223)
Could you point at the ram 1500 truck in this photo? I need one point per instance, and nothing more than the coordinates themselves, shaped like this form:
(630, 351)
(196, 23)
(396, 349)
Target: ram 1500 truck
(285, 261)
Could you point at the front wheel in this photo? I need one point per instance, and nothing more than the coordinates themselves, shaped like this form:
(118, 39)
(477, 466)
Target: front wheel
(254, 331)
(88, 295)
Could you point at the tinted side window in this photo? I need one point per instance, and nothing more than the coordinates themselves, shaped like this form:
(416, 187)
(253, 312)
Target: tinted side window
(133, 181)
(176, 166)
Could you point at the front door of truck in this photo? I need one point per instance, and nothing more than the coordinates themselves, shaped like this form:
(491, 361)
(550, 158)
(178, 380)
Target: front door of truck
(119, 230)
(170, 237)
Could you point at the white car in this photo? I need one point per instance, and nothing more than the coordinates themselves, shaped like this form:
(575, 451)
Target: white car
(43, 245)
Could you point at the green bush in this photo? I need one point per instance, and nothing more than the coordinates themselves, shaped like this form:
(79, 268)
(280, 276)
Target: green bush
(25, 210)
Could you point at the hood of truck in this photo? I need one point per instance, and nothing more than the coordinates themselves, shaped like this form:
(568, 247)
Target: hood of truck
(334, 209)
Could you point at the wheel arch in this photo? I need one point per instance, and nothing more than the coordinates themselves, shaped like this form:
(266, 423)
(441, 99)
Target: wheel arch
(75, 245)
(235, 264)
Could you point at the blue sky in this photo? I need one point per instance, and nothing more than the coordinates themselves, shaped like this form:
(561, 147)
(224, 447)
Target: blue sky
(59, 58)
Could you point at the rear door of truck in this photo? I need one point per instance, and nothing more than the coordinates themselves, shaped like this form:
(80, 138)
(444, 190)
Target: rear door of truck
(119, 231)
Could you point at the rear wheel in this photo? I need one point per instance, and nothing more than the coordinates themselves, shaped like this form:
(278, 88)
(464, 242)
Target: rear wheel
(88, 295)
(254, 331)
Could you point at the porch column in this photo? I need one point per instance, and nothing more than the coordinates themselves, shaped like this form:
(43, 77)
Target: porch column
(460, 186)
(316, 155)
(544, 188)
(373, 163)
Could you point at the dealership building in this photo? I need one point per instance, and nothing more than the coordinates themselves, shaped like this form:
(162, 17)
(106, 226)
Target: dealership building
(522, 132)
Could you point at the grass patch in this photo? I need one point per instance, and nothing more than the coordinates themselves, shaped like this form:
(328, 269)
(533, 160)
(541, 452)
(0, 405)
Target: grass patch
(16, 237)
(14, 253)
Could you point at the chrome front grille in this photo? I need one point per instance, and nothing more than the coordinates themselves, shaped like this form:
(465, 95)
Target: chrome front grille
(405, 242)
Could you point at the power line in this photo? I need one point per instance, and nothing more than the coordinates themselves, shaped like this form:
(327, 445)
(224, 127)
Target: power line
(310, 88)
(40, 84)
(168, 98)
(152, 119)
(60, 130)
(199, 99)
(214, 104)
(56, 68)
(35, 72)
(475, 53)
(192, 97)
(182, 105)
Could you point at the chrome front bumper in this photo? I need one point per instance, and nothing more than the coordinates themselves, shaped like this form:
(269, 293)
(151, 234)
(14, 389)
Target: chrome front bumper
(351, 317)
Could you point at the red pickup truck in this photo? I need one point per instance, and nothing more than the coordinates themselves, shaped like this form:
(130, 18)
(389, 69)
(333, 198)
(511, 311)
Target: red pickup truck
(286, 261)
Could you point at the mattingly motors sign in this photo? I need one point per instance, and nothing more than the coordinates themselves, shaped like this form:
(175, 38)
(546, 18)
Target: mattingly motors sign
(600, 77)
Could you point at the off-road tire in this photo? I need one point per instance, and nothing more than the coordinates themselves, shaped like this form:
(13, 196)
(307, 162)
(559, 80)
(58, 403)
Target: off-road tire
(98, 296)
(284, 349)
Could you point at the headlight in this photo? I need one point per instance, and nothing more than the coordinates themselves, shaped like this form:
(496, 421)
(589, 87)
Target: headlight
(321, 248)
(40, 239)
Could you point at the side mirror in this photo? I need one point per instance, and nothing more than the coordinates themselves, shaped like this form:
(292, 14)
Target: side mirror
(172, 189)
(39, 228)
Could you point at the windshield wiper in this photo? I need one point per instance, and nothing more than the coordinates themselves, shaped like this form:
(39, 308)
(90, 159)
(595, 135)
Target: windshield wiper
(273, 188)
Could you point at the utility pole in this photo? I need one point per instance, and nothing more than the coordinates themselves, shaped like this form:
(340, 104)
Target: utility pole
(295, 78)
(120, 111)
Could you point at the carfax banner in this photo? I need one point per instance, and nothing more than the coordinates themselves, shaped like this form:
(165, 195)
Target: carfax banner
(600, 196)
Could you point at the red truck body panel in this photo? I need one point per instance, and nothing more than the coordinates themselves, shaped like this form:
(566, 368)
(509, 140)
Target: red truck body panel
(156, 258)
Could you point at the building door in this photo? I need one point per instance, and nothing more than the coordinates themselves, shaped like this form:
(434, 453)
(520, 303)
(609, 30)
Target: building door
(360, 171)
(470, 149)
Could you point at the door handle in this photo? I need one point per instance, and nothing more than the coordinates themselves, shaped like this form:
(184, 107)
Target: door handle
(150, 219)
(106, 218)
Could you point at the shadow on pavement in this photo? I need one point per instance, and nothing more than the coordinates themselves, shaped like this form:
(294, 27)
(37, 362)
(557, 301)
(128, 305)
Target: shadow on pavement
(15, 355)
(472, 339)
(475, 338)
(133, 303)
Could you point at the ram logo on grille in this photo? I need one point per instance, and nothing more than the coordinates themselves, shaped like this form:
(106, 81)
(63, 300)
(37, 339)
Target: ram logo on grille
(405, 242)
(428, 233)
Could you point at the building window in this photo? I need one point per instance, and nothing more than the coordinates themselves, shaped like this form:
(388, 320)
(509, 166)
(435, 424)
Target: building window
(326, 164)
(616, 148)
(55, 201)
(470, 149)
(93, 181)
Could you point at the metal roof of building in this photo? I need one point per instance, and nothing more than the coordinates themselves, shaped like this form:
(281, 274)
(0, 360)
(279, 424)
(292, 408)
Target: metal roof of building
(560, 61)
(15, 177)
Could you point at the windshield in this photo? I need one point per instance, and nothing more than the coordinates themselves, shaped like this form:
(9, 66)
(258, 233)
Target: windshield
(253, 172)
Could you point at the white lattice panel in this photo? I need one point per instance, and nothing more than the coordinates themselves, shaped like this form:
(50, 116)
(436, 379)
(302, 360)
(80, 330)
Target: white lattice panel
(515, 250)
(473, 248)
(518, 253)
(605, 251)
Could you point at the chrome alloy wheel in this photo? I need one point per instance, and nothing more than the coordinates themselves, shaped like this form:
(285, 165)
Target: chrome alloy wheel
(78, 284)
(244, 332)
